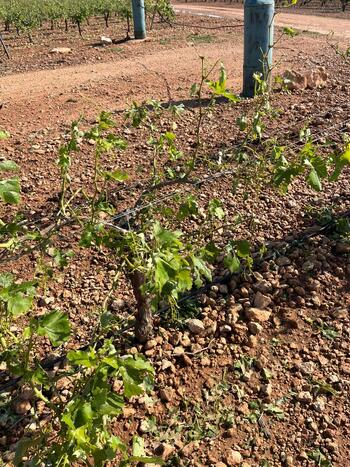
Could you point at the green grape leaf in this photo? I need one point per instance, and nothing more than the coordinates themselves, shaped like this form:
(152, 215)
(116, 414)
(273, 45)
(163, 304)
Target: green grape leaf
(4, 135)
(116, 175)
(131, 387)
(83, 415)
(232, 263)
(340, 163)
(242, 248)
(87, 359)
(138, 446)
(289, 32)
(8, 166)
(314, 180)
(9, 191)
(6, 279)
(215, 208)
(138, 363)
(184, 280)
(55, 326)
(106, 402)
(19, 304)
(161, 273)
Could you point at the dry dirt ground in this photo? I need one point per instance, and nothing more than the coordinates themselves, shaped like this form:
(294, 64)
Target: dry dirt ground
(268, 390)
(110, 77)
(338, 26)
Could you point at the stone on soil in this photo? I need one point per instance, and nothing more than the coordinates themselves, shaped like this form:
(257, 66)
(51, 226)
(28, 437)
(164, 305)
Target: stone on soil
(106, 40)
(305, 397)
(22, 407)
(342, 247)
(60, 50)
(261, 301)
(257, 315)
(167, 394)
(234, 457)
(195, 326)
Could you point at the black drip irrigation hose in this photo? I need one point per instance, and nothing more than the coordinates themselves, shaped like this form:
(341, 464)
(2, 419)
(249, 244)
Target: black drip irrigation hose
(49, 364)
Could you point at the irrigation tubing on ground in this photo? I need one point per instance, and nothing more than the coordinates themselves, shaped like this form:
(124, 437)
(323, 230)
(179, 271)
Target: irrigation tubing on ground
(49, 364)
(130, 212)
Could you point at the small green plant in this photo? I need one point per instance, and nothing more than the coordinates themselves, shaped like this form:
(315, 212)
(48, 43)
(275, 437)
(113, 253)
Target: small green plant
(244, 365)
(258, 409)
(85, 419)
(201, 38)
(9, 187)
(319, 458)
(321, 387)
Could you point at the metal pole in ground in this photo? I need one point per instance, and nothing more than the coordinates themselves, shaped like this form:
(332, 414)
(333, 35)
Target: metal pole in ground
(258, 41)
(138, 13)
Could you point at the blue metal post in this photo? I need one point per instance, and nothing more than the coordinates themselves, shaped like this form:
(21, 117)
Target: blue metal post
(138, 13)
(258, 41)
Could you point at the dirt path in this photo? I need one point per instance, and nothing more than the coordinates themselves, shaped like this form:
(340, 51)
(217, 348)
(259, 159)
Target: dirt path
(318, 24)
(48, 97)
(164, 62)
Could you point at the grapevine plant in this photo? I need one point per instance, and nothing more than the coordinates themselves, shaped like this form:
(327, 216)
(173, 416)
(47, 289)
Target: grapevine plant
(148, 245)
(103, 380)
(27, 16)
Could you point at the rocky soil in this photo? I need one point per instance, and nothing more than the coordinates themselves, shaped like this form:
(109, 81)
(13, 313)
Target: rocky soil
(255, 370)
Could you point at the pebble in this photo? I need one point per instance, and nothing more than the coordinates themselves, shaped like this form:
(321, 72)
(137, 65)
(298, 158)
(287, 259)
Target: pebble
(342, 247)
(300, 291)
(283, 261)
(320, 404)
(60, 50)
(195, 326)
(205, 361)
(307, 368)
(257, 315)
(255, 328)
(165, 451)
(305, 397)
(106, 40)
(266, 390)
(234, 311)
(167, 394)
(290, 319)
(263, 286)
(308, 266)
(166, 364)
(234, 457)
(178, 351)
(252, 341)
(22, 407)
(261, 301)
(225, 329)
(186, 341)
(150, 344)
(332, 446)
(223, 289)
